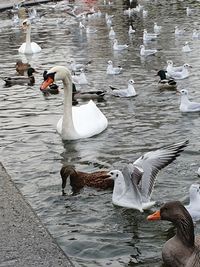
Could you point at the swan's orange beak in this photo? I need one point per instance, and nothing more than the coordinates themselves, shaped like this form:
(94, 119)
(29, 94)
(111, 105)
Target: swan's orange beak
(155, 216)
(46, 83)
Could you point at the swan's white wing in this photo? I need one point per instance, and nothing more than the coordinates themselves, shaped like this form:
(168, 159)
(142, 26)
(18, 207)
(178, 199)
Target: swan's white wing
(152, 162)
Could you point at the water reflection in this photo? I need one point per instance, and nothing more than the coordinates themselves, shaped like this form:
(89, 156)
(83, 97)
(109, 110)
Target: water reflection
(88, 227)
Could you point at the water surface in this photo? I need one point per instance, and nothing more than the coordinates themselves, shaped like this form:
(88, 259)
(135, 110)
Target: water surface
(88, 227)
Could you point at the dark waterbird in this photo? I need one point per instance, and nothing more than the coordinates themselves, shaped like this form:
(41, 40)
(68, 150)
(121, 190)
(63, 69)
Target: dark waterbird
(29, 79)
(79, 179)
(182, 250)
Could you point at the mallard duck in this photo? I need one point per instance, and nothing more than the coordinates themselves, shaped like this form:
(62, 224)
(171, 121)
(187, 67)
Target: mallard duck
(30, 79)
(21, 67)
(165, 83)
(78, 179)
(182, 250)
(85, 95)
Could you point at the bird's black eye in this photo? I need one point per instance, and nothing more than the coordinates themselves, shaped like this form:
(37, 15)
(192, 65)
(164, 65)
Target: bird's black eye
(117, 175)
(111, 173)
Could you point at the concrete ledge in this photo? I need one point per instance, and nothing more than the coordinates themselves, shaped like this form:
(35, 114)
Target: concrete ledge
(25, 242)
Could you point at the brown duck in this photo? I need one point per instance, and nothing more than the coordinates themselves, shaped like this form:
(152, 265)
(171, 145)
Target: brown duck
(182, 250)
(21, 67)
(80, 179)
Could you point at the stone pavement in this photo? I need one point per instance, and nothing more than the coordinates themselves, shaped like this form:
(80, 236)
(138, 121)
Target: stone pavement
(24, 241)
(7, 4)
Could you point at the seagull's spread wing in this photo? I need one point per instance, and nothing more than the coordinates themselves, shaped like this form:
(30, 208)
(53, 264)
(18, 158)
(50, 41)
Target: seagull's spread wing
(151, 163)
(131, 192)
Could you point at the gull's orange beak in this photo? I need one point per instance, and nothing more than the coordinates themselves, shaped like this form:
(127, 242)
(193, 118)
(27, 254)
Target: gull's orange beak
(155, 216)
(46, 83)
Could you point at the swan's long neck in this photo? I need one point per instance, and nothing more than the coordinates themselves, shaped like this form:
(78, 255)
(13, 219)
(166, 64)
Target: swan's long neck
(68, 130)
(28, 39)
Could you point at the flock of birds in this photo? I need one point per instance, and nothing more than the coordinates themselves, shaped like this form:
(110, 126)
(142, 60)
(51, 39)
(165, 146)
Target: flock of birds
(133, 186)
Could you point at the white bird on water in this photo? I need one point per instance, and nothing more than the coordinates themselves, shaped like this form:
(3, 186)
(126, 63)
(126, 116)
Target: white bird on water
(147, 52)
(182, 74)
(111, 33)
(186, 105)
(119, 47)
(131, 30)
(113, 70)
(149, 36)
(195, 34)
(186, 48)
(133, 186)
(194, 204)
(80, 79)
(128, 92)
(157, 28)
(178, 31)
(28, 47)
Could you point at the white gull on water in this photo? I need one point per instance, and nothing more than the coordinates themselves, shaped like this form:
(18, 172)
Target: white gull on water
(194, 204)
(133, 186)
(128, 92)
(186, 105)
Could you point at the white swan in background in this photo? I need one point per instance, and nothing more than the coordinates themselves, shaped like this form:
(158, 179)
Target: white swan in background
(186, 105)
(77, 122)
(28, 47)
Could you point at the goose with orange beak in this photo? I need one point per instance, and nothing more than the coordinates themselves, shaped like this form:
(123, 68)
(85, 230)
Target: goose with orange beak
(182, 250)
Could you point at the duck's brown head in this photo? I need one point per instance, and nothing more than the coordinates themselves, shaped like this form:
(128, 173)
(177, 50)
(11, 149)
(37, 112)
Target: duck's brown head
(75, 180)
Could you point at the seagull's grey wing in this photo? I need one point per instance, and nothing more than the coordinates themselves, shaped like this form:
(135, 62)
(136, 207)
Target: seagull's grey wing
(131, 186)
(194, 106)
(152, 162)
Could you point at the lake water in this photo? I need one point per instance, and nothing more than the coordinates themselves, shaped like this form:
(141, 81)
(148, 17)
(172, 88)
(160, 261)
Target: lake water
(87, 226)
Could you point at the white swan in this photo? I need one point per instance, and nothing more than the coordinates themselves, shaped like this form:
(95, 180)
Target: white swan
(28, 47)
(77, 122)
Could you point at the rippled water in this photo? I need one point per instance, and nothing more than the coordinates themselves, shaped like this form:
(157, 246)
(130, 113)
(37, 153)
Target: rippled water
(88, 227)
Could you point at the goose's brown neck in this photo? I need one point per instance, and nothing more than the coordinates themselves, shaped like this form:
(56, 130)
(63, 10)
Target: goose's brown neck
(185, 231)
